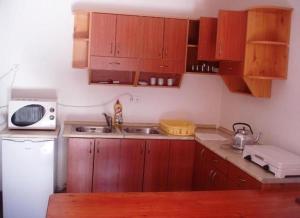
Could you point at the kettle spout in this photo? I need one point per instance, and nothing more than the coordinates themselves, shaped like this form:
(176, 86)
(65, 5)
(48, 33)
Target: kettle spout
(258, 137)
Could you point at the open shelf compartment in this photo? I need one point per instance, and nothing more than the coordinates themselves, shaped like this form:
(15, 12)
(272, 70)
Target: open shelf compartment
(81, 39)
(145, 77)
(106, 77)
(265, 61)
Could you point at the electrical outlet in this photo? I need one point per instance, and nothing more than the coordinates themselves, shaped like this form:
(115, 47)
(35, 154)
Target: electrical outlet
(135, 99)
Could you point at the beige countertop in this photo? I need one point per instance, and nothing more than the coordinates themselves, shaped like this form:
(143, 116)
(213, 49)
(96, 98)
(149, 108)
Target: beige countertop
(48, 134)
(70, 132)
(224, 150)
(221, 148)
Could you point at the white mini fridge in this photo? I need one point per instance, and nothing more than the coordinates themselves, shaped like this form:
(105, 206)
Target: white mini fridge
(28, 176)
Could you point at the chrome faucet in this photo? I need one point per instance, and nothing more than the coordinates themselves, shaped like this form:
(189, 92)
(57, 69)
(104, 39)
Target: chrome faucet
(108, 120)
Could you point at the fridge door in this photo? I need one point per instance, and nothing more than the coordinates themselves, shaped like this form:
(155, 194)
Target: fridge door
(28, 177)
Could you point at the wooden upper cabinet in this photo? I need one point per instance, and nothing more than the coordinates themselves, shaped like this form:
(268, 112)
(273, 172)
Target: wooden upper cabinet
(128, 36)
(182, 154)
(175, 39)
(207, 38)
(231, 35)
(103, 31)
(80, 165)
(131, 165)
(156, 165)
(152, 37)
(106, 165)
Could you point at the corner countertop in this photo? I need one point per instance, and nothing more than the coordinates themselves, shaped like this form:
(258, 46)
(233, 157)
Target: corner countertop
(48, 134)
(224, 150)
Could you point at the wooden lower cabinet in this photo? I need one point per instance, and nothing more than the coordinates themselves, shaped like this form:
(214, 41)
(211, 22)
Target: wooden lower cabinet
(106, 165)
(239, 180)
(200, 171)
(131, 165)
(215, 179)
(135, 165)
(156, 165)
(80, 165)
(212, 172)
(181, 164)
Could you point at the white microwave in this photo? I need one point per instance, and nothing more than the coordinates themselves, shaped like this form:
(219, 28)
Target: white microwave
(32, 114)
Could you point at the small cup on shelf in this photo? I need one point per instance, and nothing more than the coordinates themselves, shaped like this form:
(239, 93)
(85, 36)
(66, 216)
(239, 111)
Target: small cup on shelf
(153, 81)
(170, 82)
(160, 81)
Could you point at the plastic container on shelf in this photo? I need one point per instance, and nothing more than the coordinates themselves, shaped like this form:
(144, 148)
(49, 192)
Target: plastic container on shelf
(178, 127)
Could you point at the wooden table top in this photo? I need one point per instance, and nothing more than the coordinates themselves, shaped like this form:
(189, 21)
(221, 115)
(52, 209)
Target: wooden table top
(176, 204)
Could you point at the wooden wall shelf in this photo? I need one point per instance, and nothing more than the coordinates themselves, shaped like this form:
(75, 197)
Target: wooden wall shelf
(266, 54)
(81, 40)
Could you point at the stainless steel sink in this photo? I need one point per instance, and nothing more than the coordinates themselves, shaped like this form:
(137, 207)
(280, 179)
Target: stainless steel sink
(94, 129)
(142, 130)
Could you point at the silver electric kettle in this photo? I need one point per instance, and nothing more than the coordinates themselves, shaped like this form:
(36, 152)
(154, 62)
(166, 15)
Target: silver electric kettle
(243, 136)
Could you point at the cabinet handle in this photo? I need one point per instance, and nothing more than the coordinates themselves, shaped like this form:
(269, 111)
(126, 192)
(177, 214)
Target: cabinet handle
(118, 48)
(91, 146)
(202, 153)
(220, 50)
(242, 180)
(161, 66)
(216, 161)
(166, 52)
(214, 176)
(142, 149)
(111, 48)
(210, 175)
(114, 63)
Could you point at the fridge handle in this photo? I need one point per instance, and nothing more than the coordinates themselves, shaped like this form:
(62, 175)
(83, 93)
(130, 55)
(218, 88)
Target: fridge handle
(28, 140)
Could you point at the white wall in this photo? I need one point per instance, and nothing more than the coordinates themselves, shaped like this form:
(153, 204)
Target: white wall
(279, 117)
(37, 35)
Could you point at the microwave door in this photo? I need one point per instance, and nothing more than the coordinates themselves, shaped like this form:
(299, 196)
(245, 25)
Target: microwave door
(28, 115)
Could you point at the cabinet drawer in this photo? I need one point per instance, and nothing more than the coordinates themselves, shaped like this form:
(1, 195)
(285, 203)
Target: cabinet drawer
(152, 65)
(111, 63)
(231, 68)
(162, 66)
(171, 66)
(218, 163)
(238, 179)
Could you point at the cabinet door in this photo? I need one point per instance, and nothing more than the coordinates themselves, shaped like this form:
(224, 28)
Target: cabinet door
(80, 165)
(128, 36)
(207, 38)
(200, 172)
(131, 165)
(239, 180)
(231, 35)
(106, 165)
(182, 154)
(218, 180)
(152, 37)
(175, 39)
(156, 165)
(103, 32)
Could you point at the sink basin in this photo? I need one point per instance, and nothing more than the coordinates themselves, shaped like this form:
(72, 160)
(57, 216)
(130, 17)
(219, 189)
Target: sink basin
(94, 129)
(142, 130)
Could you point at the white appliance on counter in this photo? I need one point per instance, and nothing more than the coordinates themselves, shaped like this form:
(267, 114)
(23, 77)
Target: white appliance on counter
(28, 176)
(32, 114)
(274, 159)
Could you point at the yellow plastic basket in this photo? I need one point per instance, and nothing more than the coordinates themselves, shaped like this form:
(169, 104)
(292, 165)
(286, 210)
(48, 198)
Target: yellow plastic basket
(178, 127)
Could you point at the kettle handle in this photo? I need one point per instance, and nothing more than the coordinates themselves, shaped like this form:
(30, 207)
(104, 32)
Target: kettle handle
(244, 124)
